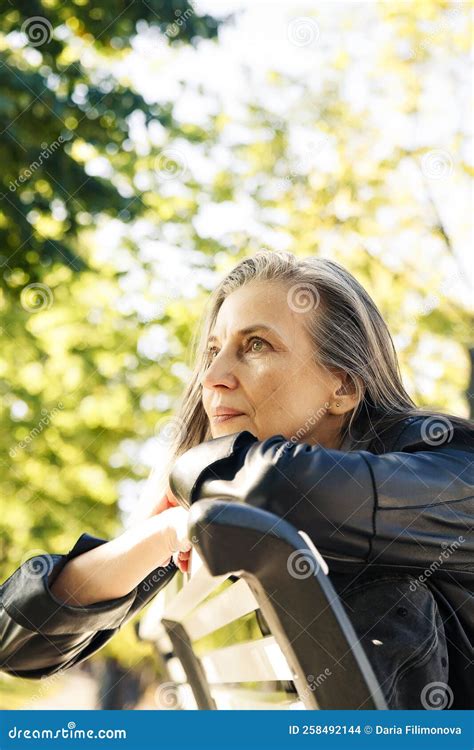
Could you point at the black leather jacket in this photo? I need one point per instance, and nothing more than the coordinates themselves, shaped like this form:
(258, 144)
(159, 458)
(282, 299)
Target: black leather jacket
(392, 513)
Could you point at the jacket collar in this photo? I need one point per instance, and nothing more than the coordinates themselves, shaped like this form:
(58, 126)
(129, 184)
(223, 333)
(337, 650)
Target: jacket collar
(376, 431)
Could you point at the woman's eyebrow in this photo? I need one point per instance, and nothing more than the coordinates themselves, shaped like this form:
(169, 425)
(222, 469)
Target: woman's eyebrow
(249, 329)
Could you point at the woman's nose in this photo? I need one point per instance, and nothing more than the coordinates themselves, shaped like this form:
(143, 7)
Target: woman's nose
(219, 372)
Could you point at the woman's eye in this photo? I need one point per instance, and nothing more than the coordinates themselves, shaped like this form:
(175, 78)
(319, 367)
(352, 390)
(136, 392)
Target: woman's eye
(257, 340)
(261, 343)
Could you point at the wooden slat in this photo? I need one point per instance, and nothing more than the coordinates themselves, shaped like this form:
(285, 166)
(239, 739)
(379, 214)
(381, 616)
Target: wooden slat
(176, 671)
(232, 603)
(195, 563)
(164, 644)
(187, 701)
(242, 699)
(251, 661)
(150, 627)
(198, 588)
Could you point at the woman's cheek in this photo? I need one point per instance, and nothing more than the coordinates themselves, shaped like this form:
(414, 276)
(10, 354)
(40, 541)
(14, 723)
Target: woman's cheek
(266, 371)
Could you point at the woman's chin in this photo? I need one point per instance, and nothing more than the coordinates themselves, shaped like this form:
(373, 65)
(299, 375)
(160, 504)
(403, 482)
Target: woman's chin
(230, 426)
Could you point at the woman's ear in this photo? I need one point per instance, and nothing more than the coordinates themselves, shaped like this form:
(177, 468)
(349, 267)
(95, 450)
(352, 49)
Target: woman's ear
(345, 395)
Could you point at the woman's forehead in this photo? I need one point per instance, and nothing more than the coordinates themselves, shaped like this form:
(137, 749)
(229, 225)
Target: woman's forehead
(262, 304)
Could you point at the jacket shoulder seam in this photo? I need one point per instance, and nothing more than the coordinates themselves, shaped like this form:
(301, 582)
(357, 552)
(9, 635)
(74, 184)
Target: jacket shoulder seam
(374, 508)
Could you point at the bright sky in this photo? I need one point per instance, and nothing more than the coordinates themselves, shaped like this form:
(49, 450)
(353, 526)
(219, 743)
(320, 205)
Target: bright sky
(300, 42)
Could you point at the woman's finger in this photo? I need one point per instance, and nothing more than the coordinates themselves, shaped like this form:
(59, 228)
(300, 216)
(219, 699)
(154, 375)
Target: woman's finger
(171, 498)
(181, 560)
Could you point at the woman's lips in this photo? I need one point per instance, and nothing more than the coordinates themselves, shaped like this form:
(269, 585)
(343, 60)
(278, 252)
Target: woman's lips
(225, 417)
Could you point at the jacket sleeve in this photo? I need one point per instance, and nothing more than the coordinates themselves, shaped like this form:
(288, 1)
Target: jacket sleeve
(399, 508)
(40, 635)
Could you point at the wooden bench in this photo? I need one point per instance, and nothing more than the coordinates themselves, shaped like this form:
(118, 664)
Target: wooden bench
(257, 623)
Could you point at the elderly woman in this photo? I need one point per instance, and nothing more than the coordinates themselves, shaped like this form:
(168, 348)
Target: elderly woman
(296, 405)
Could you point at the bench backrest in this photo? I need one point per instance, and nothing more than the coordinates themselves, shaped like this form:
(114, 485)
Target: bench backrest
(258, 624)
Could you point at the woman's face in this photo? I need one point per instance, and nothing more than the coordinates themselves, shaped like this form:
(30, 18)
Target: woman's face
(261, 363)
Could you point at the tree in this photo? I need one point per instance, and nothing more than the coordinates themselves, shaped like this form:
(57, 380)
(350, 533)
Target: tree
(62, 105)
(70, 378)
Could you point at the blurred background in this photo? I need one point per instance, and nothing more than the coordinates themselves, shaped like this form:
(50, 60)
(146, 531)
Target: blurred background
(145, 149)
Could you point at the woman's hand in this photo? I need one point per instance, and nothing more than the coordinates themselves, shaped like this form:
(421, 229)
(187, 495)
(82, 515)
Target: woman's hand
(175, 535)
(180, 558)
